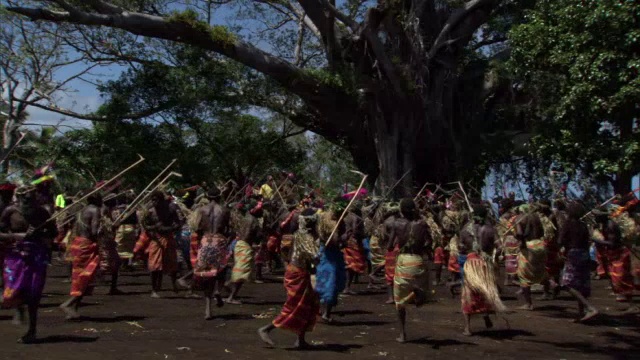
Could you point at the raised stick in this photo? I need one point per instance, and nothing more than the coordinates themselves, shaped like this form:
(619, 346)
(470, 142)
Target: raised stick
(141, 194)
(396, 184)
(22, 136)
(103, 185)
(599, 206)
(128, 211)
(344, 212)
(466, 199)
(421, 190)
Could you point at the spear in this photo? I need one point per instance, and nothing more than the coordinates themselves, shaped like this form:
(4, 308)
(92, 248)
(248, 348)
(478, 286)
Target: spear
(463, 193)
(421, 190)
(394, 185)
(599, 206)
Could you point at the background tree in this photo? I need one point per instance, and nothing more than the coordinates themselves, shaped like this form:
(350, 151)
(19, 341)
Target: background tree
(577, 64)
(399, 84)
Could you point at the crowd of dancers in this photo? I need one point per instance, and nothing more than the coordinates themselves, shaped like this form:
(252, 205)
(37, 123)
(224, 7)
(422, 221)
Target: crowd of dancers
(212, 240)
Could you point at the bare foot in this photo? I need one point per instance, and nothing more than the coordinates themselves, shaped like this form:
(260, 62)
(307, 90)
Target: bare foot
(327, 320)
(257, 281)
(155, 295)
(349, 292)
(632, 310)
(208, 317)
(233, 302)
(18, 319)
(115, 292)
(70, 313)
(28, 338)
(264, 336)
(467, 332)
(389, 302)
(402, 338)
(526, 307)
(301, 345)
(589, 315)
(183, 283)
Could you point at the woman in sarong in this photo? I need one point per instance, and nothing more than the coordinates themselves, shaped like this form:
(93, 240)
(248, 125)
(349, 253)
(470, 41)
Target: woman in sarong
(300, 310)
(331, 270)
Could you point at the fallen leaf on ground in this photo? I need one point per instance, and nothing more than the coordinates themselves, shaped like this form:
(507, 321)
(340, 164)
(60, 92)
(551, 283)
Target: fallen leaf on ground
(227, 351)
(135, 323)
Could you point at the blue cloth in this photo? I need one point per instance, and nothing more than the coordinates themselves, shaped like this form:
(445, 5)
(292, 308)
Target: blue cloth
(331, 275)
(461, 260)
(366, 244)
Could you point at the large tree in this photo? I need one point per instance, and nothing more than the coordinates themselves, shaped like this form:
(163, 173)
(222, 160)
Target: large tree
(577, 62)
(400, 84)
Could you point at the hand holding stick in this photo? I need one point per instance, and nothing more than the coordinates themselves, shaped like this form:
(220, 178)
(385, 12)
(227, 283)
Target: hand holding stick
(344, 212)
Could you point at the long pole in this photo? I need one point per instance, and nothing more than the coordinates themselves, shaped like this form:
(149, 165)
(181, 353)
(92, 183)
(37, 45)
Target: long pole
(344, 212)
(394, 185)
(103, 185)
(421, 190)
(22, 136)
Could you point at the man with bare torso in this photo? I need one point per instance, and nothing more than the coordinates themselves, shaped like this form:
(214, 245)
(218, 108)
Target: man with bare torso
(86, 255)
(249, 234)
(160, 224)
(388, 243)
(411, 276)
(25, 225)
(533, 255)
(211, 264)
(354, 252)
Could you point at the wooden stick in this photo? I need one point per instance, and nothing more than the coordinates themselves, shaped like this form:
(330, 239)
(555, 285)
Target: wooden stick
(22, 136)
(599, 206)
(103, 185)
(396, 184)
(344, 212)
(128, 211)
(148, 186)
(465, 197)
(421, 190)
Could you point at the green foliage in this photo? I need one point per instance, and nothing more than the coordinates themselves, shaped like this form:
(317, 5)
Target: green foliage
(579, 63)
(190, 17)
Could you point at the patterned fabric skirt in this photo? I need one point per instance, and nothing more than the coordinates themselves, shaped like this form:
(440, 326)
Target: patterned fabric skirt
(576, 273)
(376, 252)
(163, 254)
(243, 262)
(301, 308)
(126, 240)
(85, 264)
(24, 274)
(601, 260)
(554, 260)
(440, 256)
(531, 265)
(620, 271)
(194, 247)
(411, 273)
(354, 257)
(511, 253)
(212, 256)
(453, 265)
(273, 244)
(390, 265)
(331, 277)
(109, 257)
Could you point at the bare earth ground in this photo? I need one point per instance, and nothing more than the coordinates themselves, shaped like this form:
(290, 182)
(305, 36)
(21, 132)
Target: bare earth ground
(134, 326)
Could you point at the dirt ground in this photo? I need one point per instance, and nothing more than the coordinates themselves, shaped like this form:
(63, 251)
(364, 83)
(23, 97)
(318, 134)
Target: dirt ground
(134, 326)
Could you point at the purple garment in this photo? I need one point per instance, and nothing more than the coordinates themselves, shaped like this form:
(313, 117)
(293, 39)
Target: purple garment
(576, 273)
(25, 273)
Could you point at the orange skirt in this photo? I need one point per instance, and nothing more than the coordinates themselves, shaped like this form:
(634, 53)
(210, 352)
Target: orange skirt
(163, 254)
(85, 264)
(302, 306)
(390, 265)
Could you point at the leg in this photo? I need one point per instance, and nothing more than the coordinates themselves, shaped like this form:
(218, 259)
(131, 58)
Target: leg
(350, 277)
(235, 288)
(467, 325)
(219, 284)
(30, 336)
(208, 294)
(264, 331)
(582, 305)
(259, 278)
(114, 284)
(326, 314)
(70, 307)
(526, 294)
(487, 322)
(174, 281)
(402, 316)
(156, 280)
(390, 293)
(18, 317)
(301, 343)
(438, 279)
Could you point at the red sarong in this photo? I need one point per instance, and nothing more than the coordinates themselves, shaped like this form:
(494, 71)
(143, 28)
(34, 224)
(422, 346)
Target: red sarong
(273, 244)
(302, 305)
(601, 259)
(474, 302)
(163, 254)
(142, 245)
(85, 263)
(620, 271)
(554, 262)
(440, 256)
(453, 265)
(262, 254)
(354, 257)
(194, 246)
(390, 265)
